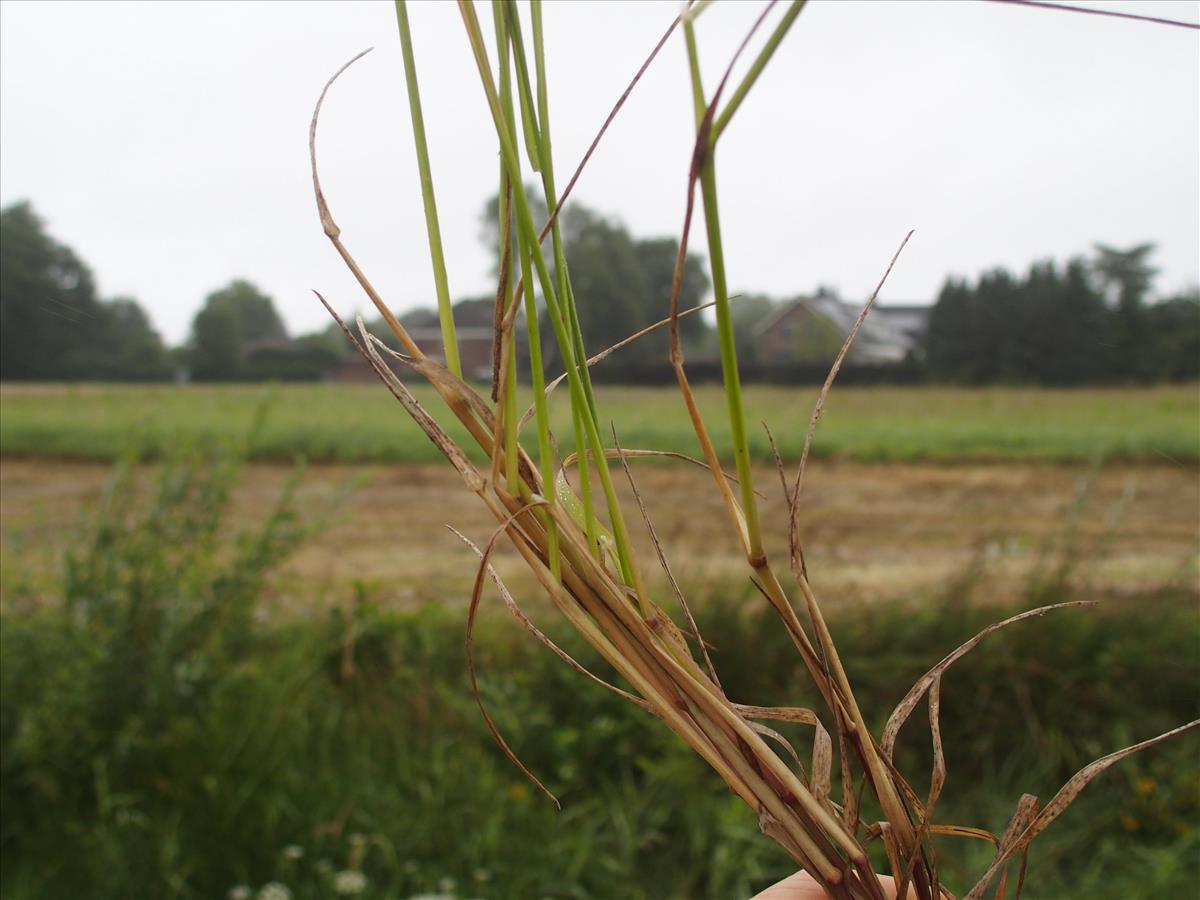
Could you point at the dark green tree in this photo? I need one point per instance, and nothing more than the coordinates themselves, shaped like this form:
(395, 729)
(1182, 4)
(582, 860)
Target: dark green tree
(489, 230)
(234, 323)
(1075, 328)
(48, 304)
(951, 332)
(53, 326)
(128, 347)
(1053, 327)
(1174, 327)
(1127, 277)
(620, 284)
(657, 257)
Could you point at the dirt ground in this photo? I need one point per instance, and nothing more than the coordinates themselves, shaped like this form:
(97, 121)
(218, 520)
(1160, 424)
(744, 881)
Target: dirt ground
(870, 532)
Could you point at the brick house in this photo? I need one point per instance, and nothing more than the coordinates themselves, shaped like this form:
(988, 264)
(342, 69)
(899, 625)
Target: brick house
(474, 329)
(812, 329)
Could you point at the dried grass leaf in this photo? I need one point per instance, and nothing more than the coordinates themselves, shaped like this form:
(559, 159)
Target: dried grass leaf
(1062, 800)
(1027, 808)
(424, 421)
(822, 755)
(795, 550)
(936, 782)
(529, 626)
(905, 707)
(662, 559)
(438, 376)
(890, 847)
(794, 501)
(964, 831)
(476, 593)
(333, 232)
(778, 738)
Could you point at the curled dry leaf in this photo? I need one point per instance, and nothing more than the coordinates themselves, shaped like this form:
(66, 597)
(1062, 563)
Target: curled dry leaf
(905, 707)
(476, 593)
(1062, 800)
(527, 623)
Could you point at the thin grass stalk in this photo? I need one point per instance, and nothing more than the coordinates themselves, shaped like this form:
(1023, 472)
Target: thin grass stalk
(756, 68)
(440, 280)
(765, 578)
(716, 257)
(541, 126)
(590, 523)
(525, 223)
(842, 694)
(877, 771)
(538, 148)
(333, 232)
(537, 374)
(506, 376)
(699, 689)
(545, 452)
(681, 670)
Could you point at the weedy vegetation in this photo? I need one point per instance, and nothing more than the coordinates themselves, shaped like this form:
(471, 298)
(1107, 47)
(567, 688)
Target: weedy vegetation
(561, 513)
(183, 740)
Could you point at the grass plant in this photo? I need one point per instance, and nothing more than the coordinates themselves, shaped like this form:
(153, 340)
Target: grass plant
(579, 548)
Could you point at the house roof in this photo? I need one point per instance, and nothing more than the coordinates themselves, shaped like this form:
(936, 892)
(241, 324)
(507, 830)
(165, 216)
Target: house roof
(880, 338)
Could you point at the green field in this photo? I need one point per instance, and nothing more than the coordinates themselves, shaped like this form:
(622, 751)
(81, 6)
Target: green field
(361, 423)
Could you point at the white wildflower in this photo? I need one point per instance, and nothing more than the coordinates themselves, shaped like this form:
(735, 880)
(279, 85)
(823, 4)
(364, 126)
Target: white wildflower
(274, 891)
(349, 882)
(239, 892)
(293, 851)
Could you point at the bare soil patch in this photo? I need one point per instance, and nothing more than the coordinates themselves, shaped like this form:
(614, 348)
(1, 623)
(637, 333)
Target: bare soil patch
(871, 532)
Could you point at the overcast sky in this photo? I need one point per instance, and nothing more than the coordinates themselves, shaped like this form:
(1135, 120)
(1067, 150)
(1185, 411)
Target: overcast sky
(166, 142)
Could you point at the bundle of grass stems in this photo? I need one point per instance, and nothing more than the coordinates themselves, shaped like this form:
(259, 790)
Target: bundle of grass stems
(578, 545)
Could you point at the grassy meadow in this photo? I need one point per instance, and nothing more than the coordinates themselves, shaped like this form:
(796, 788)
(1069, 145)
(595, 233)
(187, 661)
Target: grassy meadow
(362, 423)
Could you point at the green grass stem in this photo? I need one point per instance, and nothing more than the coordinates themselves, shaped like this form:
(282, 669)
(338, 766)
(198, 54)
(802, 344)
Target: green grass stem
(440, 280)
(508, 397)
(756, 67)
(525, 223)
(729, 365)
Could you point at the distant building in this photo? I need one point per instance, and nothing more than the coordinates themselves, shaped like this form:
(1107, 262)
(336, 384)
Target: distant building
(474, 327)
(910, 319)
(812, 329)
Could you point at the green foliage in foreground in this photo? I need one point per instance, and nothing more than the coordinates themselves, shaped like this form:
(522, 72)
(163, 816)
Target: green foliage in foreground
(362, 423)
(160, 738)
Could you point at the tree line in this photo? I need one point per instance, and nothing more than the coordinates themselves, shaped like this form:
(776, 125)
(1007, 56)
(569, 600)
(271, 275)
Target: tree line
(54, 326)
(1090, 321)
